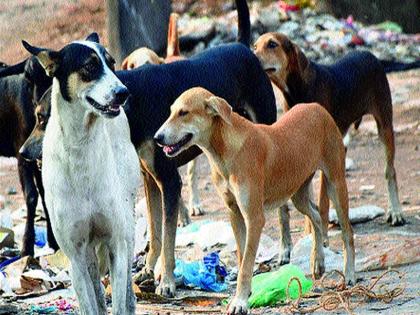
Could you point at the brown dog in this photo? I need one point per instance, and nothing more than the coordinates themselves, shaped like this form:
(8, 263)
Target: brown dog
(257, 166)
(354, 86)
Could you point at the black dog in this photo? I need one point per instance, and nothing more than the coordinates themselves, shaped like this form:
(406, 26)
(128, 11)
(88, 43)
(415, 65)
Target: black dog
(21, 86)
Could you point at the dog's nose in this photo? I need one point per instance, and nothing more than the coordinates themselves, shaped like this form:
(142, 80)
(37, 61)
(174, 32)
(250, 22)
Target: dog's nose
(121, 95)
(159, 139)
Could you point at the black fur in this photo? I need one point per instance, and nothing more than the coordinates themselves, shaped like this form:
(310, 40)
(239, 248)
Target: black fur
(20, 87)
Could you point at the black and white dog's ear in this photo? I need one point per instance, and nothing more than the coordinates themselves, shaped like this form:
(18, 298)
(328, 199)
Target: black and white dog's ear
(49, 59)
(94, 37)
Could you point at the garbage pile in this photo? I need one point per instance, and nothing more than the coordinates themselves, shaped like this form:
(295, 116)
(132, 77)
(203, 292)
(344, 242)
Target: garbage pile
(322, 37)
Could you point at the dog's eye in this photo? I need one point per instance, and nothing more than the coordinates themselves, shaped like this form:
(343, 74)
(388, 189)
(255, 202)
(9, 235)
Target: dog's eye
(183, 113)
(271, 44)
(41, 119)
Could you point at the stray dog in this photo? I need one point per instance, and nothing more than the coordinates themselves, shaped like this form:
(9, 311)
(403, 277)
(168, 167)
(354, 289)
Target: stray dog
(354, 86)
(31, 150)
(21, 86)
(284, 157)
(90, 171)
(144, 56)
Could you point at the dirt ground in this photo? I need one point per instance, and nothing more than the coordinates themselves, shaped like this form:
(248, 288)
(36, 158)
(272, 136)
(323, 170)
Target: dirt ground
(34, 21)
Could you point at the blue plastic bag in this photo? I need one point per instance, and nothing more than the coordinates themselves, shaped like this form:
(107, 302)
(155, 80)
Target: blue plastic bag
(40, 236)
(203, 274)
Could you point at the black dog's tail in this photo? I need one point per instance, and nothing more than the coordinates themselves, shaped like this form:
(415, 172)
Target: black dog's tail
(394, 66)
(14, 69)
(244, 24)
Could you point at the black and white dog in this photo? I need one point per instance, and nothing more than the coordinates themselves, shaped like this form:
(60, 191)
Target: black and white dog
(90, 171)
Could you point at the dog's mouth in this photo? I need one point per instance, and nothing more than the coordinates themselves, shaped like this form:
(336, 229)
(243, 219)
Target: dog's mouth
(112, 109)
(270, 70)
(173, 149)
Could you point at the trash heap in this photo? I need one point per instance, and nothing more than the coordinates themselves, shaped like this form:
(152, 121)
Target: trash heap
(322, 37)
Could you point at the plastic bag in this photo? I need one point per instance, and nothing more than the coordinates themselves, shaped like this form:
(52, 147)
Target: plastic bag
(270, 288)
(207, 274)
(40, 236)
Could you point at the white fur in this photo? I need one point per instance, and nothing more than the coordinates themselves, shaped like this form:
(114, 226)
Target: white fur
(91, 175)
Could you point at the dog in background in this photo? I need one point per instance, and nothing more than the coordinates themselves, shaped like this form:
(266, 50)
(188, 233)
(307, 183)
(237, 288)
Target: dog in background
(21, 86)
(90, 171)
(354, 86)
(144, 55)
(284, 157)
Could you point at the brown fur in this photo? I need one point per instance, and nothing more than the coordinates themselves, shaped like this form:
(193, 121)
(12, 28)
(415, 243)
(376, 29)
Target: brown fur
(257, 166)
(300, 80)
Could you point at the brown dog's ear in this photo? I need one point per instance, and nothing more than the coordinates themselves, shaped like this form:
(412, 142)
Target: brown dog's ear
(49, 59)
(302, 61)
(217, 106)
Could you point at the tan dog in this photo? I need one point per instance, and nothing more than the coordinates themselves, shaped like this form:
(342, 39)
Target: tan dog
(354, 86)
(145, 55)
(257, 166)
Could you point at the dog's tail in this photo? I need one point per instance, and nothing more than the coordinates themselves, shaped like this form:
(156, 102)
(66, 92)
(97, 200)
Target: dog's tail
(244, 24)
(13, 70)
(395, 66)
(173, 42)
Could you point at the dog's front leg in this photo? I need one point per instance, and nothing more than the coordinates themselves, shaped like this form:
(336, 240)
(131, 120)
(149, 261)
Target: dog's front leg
(119, 253)
(50, 235)
(194, 203)
(26, 177)
(251, 207)
(82, 282)
(171, 193)
(285, 237)
(154, 218)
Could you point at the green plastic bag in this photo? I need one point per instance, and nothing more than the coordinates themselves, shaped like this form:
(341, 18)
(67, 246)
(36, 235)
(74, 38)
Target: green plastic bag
(270, 288)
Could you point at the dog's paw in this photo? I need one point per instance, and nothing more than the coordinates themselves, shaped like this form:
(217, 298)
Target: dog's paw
(284, 256)
(238, 307)
(143, 275)
(166, 288)
(196, 210)
(395, 218)
(318, 267)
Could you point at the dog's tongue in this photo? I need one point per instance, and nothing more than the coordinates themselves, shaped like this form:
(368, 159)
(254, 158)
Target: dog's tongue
(168, 148)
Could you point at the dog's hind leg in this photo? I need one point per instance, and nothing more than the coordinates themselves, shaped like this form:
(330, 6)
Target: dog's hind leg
(301, 200)
(386, 135)
(26, 177)
(50, 235)
(284, 237)
(154, 218)
(194, 203)
(171, 194)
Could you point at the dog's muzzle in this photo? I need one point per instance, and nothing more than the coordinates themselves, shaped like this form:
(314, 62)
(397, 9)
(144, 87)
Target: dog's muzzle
(112, 109)
(172, 149)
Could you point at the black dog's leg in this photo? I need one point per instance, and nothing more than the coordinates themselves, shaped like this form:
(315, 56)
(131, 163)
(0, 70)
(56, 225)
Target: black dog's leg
(26, 176)
(50, 235)
(171, 193)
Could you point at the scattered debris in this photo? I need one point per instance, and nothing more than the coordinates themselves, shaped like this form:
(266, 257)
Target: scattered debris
(359, 214)
(407, 253)
(270, 288)
(207, 274)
